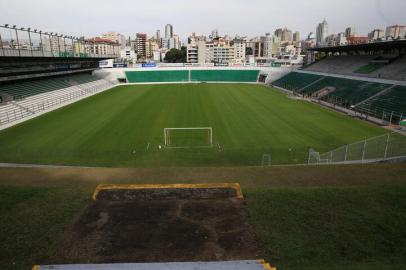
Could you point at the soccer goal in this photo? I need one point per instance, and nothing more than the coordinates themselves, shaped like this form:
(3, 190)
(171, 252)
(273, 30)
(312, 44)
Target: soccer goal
(188, 137)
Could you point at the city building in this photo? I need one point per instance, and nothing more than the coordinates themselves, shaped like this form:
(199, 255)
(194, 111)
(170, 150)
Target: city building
(239, 46)
(219, 52)
(52, 44)
(256, 47)
(128, 55)
(268, 46)
(286, 35)
(395, 31)
(102, 46)
(151, 46)
(278, 33)
(214, 34)
(140, 41)
(341, 39)
(350, 32)
(376, 34)
(168, 31)
(357, 40)
(321, 33)
(116, 37)
(296, 36)
(192, 49)
(158, 38)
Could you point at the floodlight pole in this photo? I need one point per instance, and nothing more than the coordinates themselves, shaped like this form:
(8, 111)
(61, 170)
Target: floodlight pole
(18, 42)
(79, 45)
(59, 45)
(42, 44)
(64, 44)
(73, 47)
(1, 45)
(50, 44)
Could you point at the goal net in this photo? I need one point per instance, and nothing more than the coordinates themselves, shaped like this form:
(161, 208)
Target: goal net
(188, 137)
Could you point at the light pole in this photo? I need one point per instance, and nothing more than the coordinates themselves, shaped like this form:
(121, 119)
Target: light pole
(59, 45)
(1, 44)
(64, 44)
(29, 38)
(50, 43)
(73, 46)
(18, 43)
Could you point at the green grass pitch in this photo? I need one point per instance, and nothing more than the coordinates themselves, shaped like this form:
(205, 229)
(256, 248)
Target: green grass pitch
(124, 127)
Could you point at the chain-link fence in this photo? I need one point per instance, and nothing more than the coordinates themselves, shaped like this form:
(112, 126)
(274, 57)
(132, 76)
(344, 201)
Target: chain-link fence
(388, 146)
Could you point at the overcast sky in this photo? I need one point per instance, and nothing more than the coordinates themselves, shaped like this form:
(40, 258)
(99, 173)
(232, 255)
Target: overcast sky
(244, 17)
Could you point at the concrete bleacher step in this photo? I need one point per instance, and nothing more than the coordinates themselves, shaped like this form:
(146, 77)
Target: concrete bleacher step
(221, 265)
(376, 95)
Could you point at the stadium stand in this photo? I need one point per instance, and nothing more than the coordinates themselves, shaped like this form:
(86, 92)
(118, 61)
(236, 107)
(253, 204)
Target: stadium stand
(368, 97)
(157, 76)
(345, 65)
(350, 91)
(396, 70)
(34, 97)
(193, 75)
(295, 81)
(30, 88)
(225, 75)
(392, 101)
(385, 66)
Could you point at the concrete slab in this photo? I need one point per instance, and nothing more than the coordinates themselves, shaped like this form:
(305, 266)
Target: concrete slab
(224, 265)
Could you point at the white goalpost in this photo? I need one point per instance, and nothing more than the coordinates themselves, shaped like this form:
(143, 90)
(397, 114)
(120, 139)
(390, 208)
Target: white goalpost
(190, 137)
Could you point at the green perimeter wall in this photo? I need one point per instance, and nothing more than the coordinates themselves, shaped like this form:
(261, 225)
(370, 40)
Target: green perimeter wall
(157, 76)
(225, 75)
(196, 76)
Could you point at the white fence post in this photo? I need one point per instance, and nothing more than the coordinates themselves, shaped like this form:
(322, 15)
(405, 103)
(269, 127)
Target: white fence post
(387, 144)
(363, 150)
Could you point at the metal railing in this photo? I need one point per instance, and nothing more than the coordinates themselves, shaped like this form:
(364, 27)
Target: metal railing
(7, 52)
(10, 116)
(27, 42)
(384, 147)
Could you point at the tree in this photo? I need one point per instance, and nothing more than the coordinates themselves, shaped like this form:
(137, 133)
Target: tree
(176, 56)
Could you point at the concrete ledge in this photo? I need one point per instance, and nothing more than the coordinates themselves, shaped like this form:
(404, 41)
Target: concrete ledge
(167, 191)
(221, 265)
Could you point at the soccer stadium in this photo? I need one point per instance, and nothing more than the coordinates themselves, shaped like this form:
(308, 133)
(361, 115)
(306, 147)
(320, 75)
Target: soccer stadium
(181, 166)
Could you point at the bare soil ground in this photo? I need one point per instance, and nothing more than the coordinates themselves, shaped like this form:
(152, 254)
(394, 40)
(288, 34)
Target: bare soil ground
(160, 230)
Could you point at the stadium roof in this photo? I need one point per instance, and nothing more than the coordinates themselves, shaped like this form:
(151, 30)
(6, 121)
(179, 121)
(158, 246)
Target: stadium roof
(375, 46)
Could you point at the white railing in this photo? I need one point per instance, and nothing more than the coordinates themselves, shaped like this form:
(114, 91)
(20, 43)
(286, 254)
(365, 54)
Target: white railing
(384, 147)
(23, 111)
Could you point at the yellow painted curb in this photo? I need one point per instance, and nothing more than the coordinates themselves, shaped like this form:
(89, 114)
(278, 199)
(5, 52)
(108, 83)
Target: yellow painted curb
(266, 265)
(36, 267)
(234, 186)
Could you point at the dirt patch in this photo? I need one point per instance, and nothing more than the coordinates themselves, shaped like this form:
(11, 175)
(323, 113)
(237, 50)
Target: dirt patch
(167, 230)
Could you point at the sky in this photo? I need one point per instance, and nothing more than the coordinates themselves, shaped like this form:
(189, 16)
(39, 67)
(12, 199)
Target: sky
(243, 17)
